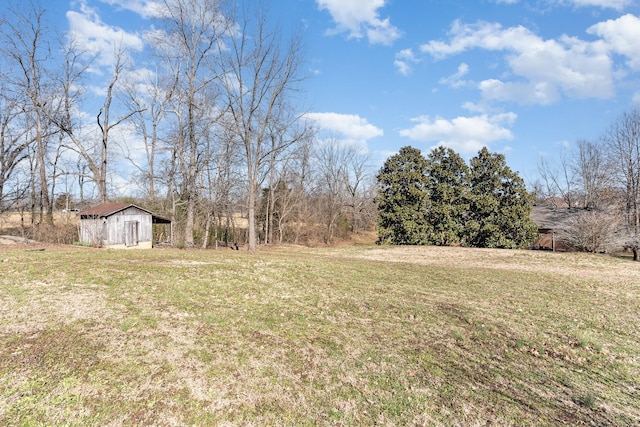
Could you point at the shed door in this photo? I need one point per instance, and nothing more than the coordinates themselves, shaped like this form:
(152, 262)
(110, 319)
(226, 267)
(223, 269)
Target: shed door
(131, 233)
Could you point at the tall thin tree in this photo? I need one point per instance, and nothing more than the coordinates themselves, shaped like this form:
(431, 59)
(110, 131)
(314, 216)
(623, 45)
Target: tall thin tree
(261, 74)
(187, 43)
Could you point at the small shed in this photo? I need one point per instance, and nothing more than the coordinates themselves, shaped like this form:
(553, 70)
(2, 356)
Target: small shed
(119, 225)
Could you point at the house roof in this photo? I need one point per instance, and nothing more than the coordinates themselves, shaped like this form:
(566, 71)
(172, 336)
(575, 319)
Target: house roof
(550, 218)
(107, 209)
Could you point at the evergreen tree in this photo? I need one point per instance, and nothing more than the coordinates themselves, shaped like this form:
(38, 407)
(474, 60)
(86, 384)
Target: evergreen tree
(439, 200)
(403, 199)
(448, 195)
(499, 205)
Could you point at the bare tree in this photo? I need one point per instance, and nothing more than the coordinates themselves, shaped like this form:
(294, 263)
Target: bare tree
(25, 47)
(623, 143)
(106, 126)
(591, 231)
(335, 184)
(14, 142)
(288, 179)
(361, 188)
(261, 72)
(285, 153)
(592, 173)
(289, 212)
(94, 153)
(221, 179)
(148, 101)
(558, 179)
(189, 40)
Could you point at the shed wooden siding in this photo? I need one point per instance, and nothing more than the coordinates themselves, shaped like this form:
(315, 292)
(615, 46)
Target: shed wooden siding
(115, 229)
(93, 230)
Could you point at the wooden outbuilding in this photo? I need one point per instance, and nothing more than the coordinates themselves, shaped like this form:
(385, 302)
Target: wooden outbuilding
(119, 225)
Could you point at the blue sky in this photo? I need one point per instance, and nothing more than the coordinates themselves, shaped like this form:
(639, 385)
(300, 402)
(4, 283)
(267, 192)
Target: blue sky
(524, 78)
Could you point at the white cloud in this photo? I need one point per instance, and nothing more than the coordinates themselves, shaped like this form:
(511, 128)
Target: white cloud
(403, 67)
(604, 4)
(144, 8)
(525, 93)
(383, 33)
(358, 145)
(542, 68)
(350, 126)
(621, 36)
(140, 76)
(485, 35)
(465, 135)
(121, 186)
(130, 143)
(94, 36)
(475, 107)
(404, 61)
(611, 4)
(360, 18)
(455, 80)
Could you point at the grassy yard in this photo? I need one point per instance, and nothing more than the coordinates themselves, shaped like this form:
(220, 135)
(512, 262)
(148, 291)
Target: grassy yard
(292, 336)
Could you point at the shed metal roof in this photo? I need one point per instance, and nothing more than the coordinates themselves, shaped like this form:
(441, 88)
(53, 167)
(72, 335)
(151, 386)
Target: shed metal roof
(107, 209)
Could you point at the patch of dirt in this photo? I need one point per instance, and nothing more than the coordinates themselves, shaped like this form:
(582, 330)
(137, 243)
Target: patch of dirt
(44, 304)
(187, 262)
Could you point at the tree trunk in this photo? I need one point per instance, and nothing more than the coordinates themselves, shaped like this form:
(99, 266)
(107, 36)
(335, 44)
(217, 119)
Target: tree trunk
(102, 181)
(207, 229)
(267, 218)
(45, 202)
(252, 216)
(188, 229)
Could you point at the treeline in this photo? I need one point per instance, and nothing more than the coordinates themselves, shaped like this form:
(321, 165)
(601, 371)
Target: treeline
(600, 179)
(206, 114)
(439, 200)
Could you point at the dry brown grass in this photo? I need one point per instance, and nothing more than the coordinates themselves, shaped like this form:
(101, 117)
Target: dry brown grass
(337, 336)
(573, 265)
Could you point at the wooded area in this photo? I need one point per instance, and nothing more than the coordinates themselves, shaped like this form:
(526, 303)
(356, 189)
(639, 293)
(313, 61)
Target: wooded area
(602, 179)
(214, 110)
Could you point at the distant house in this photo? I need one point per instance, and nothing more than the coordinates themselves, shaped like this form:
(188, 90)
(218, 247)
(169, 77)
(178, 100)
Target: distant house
(119, 225)
(552, 219)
